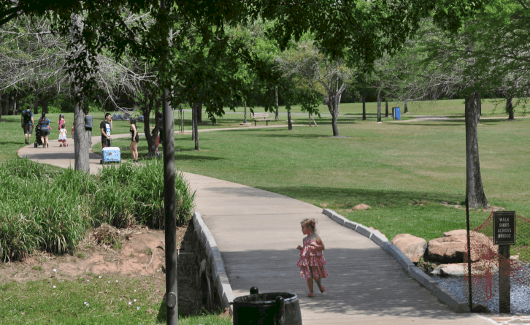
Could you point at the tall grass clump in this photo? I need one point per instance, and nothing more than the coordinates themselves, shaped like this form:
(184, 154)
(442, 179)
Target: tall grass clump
(134, 194)
(47, 209)
(37, 210)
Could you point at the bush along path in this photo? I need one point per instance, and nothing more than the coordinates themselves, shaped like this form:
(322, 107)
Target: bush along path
(51, 210)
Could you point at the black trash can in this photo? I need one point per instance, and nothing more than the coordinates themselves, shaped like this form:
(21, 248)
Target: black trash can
(271, 308)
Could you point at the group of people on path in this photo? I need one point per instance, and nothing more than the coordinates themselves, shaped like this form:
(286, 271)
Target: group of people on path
(27, 123)
(106, 127)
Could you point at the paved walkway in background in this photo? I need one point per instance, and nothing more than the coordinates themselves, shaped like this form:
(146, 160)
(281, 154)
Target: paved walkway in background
(257, 233)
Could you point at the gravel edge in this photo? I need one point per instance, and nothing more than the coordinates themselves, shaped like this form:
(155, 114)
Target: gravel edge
(413, 271)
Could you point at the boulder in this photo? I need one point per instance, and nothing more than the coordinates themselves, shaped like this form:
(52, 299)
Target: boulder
(413, 247)
(450, 269)
(452, 247)
(480, 268)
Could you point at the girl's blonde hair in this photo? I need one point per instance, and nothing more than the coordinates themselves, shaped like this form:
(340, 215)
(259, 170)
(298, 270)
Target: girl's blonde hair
(309, 222)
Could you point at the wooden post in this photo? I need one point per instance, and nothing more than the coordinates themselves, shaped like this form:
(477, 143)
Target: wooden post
(504, 279)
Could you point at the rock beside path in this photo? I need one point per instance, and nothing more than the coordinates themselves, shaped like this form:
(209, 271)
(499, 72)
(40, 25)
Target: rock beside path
(413, 247)
(452, 247)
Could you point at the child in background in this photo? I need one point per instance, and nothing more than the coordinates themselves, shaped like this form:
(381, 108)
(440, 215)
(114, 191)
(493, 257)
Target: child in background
(62, 136)
(60, 122)
(312, 260)
(72, 131)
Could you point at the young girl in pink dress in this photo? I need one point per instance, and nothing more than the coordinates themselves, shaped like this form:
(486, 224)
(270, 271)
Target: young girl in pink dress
(312, 260)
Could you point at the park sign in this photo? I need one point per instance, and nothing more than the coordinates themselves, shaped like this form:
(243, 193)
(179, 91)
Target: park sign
(504, 227)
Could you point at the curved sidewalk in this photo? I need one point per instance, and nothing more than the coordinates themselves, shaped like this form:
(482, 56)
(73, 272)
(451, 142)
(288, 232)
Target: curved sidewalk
(257, 233)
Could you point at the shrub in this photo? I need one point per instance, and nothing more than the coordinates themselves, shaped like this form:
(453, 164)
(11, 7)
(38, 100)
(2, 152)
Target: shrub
(135, 194)
(43, 208)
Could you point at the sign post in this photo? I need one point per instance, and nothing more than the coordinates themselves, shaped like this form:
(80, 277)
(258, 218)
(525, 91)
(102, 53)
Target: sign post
(504, 236)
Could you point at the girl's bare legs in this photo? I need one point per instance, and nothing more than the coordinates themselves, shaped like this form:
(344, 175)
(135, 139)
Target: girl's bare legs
(317, 280)
(310, 284)
(134, 150)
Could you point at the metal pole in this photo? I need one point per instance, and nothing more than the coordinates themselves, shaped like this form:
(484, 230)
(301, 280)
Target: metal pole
(469, 284)
(170, 213)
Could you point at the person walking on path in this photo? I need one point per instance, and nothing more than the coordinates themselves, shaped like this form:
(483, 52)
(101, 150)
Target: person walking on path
(45, 128)
(105, 127)
(312, 260)
(134, 139)
(26, 120)
(63, 142)
(89, 122)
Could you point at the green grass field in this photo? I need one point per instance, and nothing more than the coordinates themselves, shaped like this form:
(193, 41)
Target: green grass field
(404, 171)
(90, 300)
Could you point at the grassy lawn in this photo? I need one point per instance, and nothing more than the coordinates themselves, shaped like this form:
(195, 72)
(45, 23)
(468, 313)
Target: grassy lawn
(404, 171)
(452, 108)
(90, 299)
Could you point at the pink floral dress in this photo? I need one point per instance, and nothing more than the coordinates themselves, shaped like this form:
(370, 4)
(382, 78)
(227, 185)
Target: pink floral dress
(310, 256)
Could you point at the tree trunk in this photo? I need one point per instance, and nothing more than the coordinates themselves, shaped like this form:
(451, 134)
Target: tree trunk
(150, 136)
(276, 102)
(7, 104)
(181, 119)
(474, 190)
(193, 121)
(334, 115)
(81, 148)
(289, 122)
(363, 97)
(334, 95)
(405, 108)
(386, 107)
(199, 112)
(333, 106)
(36, 104)
(509, 108)
(378, 106)
(194, 109)
(11, 105)
(1, 106)
(245, 112)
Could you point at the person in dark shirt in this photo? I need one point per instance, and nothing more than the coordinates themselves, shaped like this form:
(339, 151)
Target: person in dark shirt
(45, 128)
(27, 124)
(134, 139)
(88, 127)
(106, 127)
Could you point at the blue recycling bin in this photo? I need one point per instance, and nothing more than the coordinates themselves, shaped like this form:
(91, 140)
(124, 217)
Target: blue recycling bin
(397, 113)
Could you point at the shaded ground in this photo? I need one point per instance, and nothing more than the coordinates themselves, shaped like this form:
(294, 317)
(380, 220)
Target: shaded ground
(136, 252)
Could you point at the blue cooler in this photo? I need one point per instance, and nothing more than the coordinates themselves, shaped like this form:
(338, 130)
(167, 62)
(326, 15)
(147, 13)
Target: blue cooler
(111, 154)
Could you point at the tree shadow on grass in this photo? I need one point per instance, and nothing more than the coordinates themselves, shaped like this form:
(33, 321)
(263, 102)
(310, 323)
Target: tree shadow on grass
(495, 121)
(355, 196)
(437, 123)
(293, 135)
(196, 158)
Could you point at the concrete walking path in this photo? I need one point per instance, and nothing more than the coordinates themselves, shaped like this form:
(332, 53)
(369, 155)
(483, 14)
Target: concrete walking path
(257, 233)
